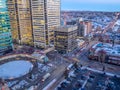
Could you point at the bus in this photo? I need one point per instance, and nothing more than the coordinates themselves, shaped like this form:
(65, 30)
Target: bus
(45, 77)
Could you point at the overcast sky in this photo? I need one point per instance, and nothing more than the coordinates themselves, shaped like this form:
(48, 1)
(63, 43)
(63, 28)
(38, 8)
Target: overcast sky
(92, 5)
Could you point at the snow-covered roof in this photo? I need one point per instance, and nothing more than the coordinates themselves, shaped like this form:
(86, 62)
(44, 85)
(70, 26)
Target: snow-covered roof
(115, 50)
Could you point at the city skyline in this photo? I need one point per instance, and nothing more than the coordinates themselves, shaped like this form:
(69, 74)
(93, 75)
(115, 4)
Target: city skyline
(59, 45)
(91, 5)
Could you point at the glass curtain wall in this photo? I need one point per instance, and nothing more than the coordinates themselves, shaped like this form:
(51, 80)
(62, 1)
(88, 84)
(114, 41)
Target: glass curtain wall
(5, 31)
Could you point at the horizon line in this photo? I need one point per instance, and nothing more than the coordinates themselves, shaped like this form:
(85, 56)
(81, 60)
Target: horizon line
(90, 10)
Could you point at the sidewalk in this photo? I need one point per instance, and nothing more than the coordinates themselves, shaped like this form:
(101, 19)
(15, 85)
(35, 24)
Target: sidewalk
(98, 66)
(101, 72)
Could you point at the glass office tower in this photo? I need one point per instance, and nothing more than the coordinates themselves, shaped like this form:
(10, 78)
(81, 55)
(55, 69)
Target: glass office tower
(5, 31)
(45, 18)
(20, 19)
(34, 21)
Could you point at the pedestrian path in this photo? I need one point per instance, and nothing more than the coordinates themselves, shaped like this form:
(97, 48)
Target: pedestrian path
(15, 55)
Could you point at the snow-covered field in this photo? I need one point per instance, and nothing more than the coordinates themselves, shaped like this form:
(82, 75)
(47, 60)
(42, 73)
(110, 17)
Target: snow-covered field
(15, 69)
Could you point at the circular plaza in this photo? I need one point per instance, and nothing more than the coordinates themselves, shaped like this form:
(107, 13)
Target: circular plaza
(19, 72)
(15, 69)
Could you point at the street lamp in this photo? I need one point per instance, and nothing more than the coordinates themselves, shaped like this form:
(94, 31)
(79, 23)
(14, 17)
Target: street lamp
(113, 39)
(102, 55)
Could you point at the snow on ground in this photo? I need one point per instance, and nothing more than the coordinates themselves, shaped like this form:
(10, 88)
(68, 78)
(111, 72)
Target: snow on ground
(19, 85)
(116, 26)
(72, 74)
(23, 82)
(11, 83)
(118, 22)
(44, 68)
(15, 69)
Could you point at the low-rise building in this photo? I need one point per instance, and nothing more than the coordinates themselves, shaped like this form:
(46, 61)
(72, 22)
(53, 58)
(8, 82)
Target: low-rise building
(105, 52)
(65, 39)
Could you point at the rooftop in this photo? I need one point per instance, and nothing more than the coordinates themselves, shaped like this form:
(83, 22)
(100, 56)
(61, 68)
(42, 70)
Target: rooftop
(108, 48)
(67, 28)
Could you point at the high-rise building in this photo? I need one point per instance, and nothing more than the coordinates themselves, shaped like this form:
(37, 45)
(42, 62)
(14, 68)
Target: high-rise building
(5, 30)
(81, 29)
(88, 27)
(20, 18)
(34, 21)
(45, 17)
(84, 28)
(65, 39)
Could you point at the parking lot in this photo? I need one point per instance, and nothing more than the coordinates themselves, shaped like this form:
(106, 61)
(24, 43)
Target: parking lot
(84, 79)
